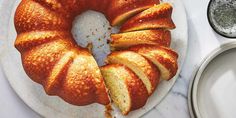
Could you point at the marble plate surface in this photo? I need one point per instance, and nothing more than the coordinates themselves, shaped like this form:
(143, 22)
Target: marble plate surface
(50, 106)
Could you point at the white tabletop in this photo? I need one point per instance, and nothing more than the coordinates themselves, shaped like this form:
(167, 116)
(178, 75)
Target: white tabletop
(202, 40)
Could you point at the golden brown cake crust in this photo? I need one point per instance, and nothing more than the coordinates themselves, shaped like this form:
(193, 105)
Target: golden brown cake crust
(156, 17)
(160, 54)
(139, 94)
(83, 83)
(119, 7)
(148, 68)
(155, 37)
(31, 16)
(72, 82)
(28, 40)
(51, 57)
(57, 6)
(49, 52)
(99, 5)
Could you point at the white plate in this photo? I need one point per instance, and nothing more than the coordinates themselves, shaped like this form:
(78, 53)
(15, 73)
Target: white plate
(190, 90)
(213, 92)
(34, 96)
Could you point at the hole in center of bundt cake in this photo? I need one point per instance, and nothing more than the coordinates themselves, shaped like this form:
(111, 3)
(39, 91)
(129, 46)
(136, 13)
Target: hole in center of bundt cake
(92, 29)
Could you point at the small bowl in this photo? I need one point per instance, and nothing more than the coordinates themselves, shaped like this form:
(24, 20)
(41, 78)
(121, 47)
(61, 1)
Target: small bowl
(222, 17)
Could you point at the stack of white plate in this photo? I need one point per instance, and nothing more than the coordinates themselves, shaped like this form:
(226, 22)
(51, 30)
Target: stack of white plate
(212, 92)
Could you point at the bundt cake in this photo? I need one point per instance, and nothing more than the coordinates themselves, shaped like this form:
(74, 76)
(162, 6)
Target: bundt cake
(51, 57)
(164, 58)
(127, 91)
(144, 69)
(128, 39)
(155, 17)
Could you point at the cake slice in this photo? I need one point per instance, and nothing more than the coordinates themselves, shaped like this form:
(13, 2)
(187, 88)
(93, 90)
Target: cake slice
(124, 40)
(120, 10)
(156, 17)
(126, 90)
(164, 58)
(144, 69)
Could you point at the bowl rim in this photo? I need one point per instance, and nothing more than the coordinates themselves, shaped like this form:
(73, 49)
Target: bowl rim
(211, 23)
(205, 62)
(190, 92)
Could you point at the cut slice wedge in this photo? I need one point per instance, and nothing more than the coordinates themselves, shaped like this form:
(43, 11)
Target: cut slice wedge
(156, 17)
(164, 58)
(127, 91)
(144, 69)
(157, 37)
(120, 10)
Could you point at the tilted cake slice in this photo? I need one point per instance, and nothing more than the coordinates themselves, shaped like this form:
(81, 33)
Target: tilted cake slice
(120, 10)
(144, 69)
(126, 90)
(156, 17)
(124, 40)
(164, 58)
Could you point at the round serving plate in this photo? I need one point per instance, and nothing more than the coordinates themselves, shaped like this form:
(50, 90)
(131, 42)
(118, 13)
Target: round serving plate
(190, 90)
(212, 91)
(51, 106)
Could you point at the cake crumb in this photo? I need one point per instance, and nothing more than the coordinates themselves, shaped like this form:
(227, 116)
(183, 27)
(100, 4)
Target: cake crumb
(108, 111)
